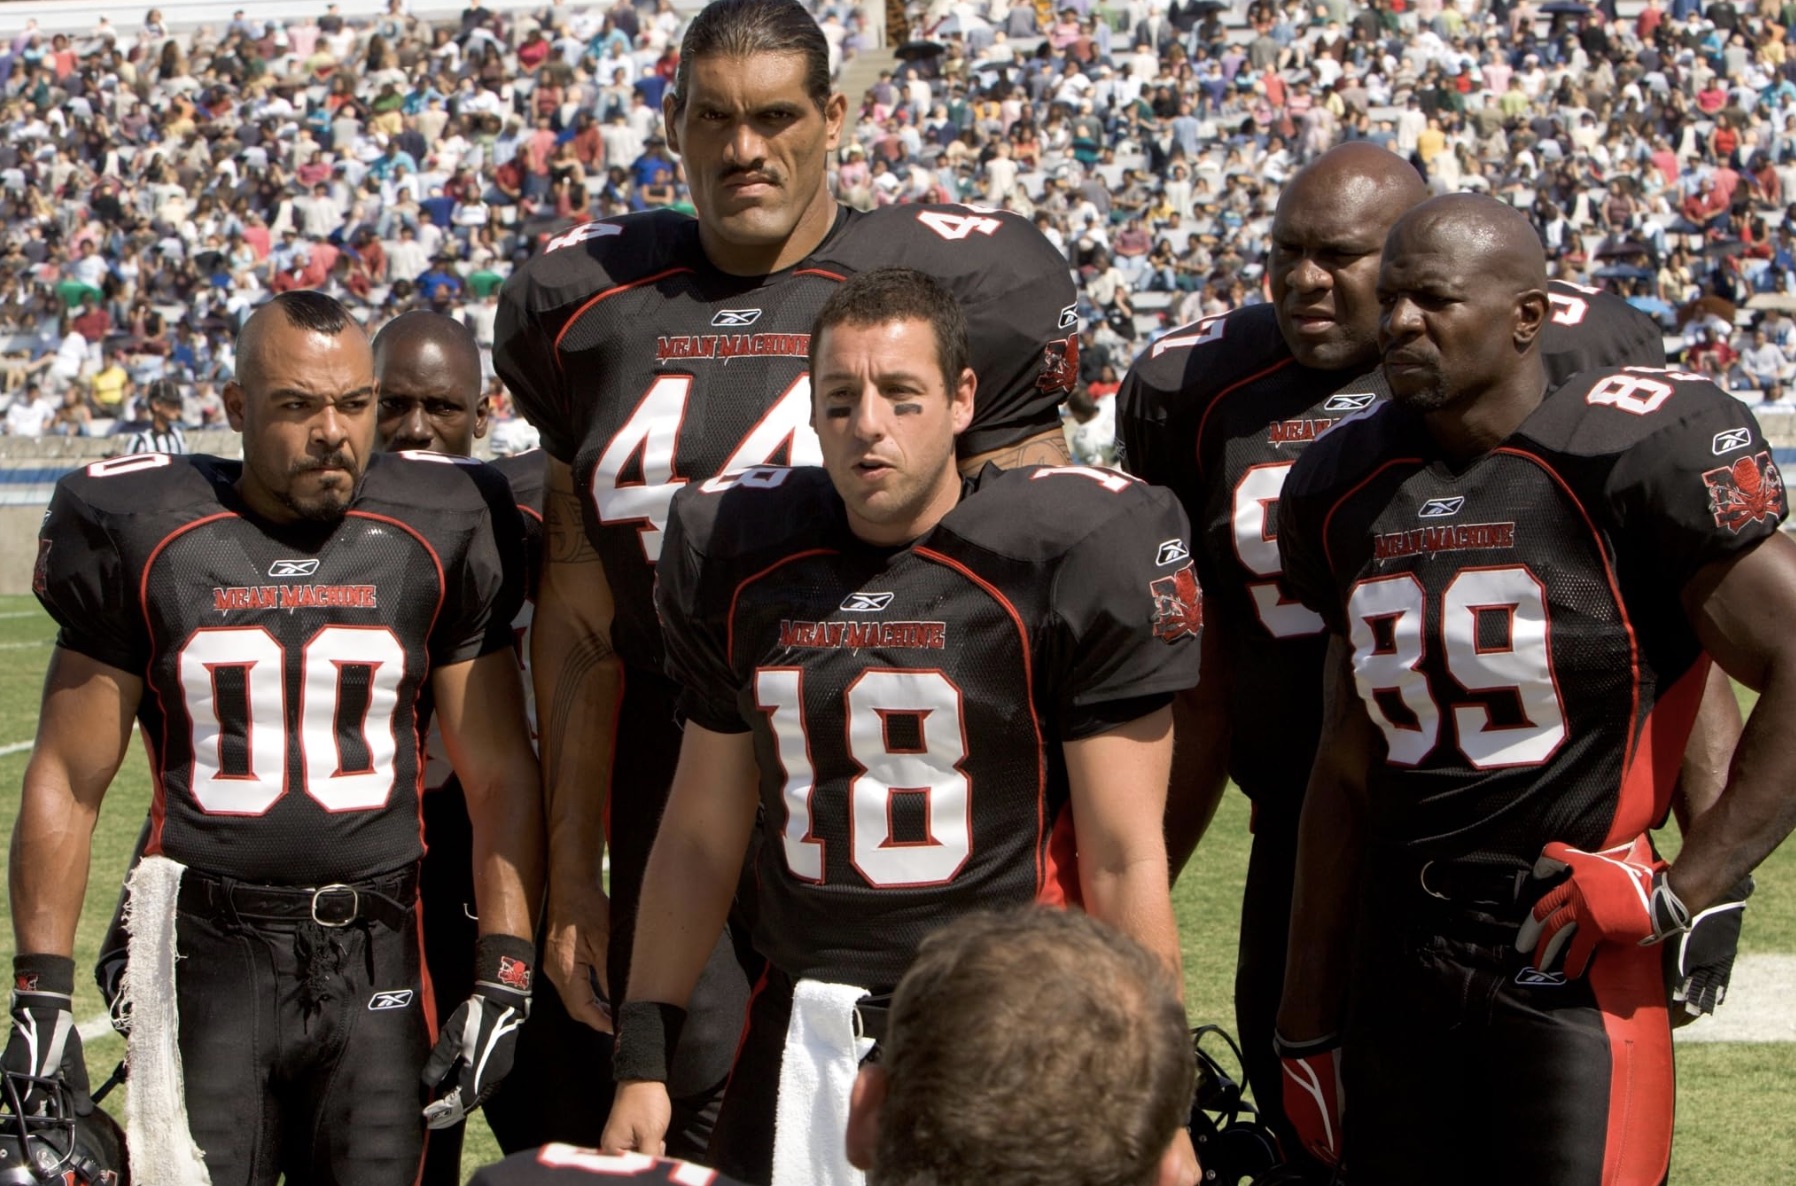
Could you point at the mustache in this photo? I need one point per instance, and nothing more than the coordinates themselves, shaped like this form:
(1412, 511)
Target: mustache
(752, 169)
(334, 460)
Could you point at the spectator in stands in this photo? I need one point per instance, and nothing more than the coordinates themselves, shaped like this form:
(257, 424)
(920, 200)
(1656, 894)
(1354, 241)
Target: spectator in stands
(31, 413)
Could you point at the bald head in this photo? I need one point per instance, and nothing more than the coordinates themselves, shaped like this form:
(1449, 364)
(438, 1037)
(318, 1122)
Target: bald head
(1327, 233)
(1494, 239)
(1463, 290)
(429, 371)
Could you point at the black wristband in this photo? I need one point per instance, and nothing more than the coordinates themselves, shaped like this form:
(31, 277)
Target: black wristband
(505, 962)
(647, 1032)
(34, 972)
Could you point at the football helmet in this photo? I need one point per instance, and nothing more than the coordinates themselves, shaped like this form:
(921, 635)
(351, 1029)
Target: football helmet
(1235, 1147)
(56, 1146)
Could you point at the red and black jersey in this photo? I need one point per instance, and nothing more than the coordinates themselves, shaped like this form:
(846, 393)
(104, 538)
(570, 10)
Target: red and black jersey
(283, 665)
(645, 368)
(527, 476)
(1218, 412)
(908, 705)
(571, 1165)
(1516, 626)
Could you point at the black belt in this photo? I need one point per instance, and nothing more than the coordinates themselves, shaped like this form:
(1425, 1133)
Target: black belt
(1464, 884)
(386, 900)
(872, 1016)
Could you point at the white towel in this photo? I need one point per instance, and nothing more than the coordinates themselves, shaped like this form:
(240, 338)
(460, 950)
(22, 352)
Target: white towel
(157, 1136)
(823, 1056)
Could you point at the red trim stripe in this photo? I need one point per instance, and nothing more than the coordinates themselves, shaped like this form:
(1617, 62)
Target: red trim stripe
(821, 272)
(609, 292)
(729, 641)
(1198, 441)
(1328, 519)
(1629, 987)
(1041, 767)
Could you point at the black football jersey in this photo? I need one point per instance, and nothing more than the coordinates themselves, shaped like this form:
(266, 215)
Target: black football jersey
(283, 665)
(646, 368)
(1516, 627)
(908, 704)
(571, 1165)
(527, 476)
(1219, 411)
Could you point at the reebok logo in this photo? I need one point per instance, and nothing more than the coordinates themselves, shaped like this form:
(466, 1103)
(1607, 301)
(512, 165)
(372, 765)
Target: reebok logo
(393, 998)
(1535, 978)
(735, 317)
(1171, 552)
(1733, 438)
(1441, 508)
(293, 568)
(1349, 401)
(867, 603)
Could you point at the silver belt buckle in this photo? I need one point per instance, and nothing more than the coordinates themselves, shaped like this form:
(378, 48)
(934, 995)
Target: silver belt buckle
(355, 904)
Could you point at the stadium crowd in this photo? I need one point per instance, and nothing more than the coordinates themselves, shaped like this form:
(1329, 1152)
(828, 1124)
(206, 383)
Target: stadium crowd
(157, 187)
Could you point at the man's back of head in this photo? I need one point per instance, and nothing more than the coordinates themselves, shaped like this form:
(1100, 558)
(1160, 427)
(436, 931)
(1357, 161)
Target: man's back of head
(1025, 1048)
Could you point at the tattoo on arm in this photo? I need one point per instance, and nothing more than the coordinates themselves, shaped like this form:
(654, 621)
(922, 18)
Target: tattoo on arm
(571, 695)
(566, 529)
(1048, 448)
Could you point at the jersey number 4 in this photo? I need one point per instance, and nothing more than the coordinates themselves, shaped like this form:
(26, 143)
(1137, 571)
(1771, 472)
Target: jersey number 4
(652, 435)
(928, 768)
(234, 682)
(1491, 627)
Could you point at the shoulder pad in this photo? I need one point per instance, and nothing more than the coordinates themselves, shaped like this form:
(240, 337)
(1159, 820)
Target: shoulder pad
(1035, 513)
(969, 249)
(1608, 411)
(1191, 365)
(595, 256)
(741, 514)
(151, 483)
(443, 483)
(528, 474)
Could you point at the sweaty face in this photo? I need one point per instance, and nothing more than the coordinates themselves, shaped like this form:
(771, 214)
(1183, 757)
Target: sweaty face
(886, 420)
(427, 401)
(755, 148)
(307, 418)
(1445, 331)
(1324, 272)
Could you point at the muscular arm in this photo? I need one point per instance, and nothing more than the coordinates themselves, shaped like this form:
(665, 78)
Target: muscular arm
(1741, 608)
(1045, 448)
(82, 731)
(1200, 752)
(480, 705)
(1711, 748)
(1118, 784)
(1330, 850)
(693, 867)
(578, 682)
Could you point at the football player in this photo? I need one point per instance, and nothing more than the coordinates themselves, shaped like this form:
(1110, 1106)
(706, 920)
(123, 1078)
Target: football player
(427, 367)
(1523, 587)
(1219, 411)
(656, 350)
(1006, 1024)
(272, 626)
(859, 647)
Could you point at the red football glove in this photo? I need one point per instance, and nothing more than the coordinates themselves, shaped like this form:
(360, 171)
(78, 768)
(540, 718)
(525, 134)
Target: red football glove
(1313, 1094)
(1619, 895)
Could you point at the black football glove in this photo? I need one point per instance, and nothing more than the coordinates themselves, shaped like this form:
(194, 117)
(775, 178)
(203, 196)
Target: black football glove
(481, 1038)
(1699, 965)
(109, 970)
(43, 1043)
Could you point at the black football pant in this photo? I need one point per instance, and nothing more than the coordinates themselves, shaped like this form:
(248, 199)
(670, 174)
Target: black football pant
(1462, 1061)
(1260, 968)
(648, 747)
(301, 1047)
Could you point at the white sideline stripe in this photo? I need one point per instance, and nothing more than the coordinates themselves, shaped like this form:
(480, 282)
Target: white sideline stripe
(1759, 1005)
(21, 646)
(21, 613)
(17, 747)
(94, 1026)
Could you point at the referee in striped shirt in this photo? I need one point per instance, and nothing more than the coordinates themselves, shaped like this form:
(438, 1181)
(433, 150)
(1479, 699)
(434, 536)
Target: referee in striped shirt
(164, 434)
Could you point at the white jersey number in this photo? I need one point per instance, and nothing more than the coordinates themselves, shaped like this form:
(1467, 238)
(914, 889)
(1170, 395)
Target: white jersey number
(1494, 635)
(233, 682)
(1256, 547)
(930, 768)
(652, 434)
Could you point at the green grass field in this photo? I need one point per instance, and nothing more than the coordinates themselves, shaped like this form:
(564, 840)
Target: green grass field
(1736, 1102)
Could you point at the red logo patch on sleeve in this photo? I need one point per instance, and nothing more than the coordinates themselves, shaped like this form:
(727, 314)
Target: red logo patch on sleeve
(24, 981)
(514, 973)
(40, 572)
(1178, 605)
(1059, 366)
(1745, 492)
